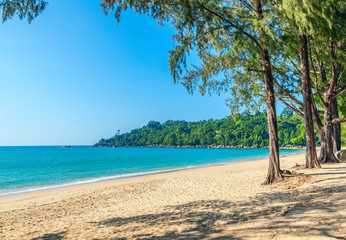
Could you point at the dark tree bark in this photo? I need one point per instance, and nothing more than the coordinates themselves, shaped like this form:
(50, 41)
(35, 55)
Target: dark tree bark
(329, 131)
(310, 155)
(274, 161)
(336, 130)
(325, 134)
(327, 154)
(273, 174)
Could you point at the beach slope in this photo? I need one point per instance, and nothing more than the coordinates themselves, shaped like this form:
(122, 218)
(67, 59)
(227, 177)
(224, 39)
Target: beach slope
(219, 202)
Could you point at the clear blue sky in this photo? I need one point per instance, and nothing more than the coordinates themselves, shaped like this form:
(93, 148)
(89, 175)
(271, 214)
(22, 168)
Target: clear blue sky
(72, 77)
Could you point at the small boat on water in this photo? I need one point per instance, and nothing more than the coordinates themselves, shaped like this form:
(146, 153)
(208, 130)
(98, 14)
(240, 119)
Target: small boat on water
(67, 147)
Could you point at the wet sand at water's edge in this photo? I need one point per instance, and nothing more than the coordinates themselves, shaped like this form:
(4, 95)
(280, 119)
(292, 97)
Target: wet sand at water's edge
(219, 202)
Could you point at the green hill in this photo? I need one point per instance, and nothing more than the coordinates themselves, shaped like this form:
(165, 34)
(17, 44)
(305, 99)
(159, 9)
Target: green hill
(242, 130)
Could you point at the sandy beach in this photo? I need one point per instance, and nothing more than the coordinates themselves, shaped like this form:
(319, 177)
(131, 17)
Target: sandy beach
(219, 202)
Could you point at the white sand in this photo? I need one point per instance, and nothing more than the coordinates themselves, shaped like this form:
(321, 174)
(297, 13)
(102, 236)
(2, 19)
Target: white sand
(220, 202)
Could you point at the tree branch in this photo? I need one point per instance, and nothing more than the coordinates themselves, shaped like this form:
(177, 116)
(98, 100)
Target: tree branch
(340, 77)
(316, 80)
(294, 109)
(286, 77)
(235, 13)
(234, 26)
(261, 95)
(321, 68)
(255, 70)
(333, 80)
(294, 65)
(339, 94)
(338, 120)
(316, 118)
(247, 5)
(287, 93)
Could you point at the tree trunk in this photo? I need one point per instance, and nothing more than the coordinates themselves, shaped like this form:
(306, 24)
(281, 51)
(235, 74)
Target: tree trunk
(273, 174)
(329, 134)
(310, 155)
(336, 131)
(326, 131)
(327, 155)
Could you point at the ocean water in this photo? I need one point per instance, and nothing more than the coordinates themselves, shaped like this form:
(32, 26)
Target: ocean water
(27, 169)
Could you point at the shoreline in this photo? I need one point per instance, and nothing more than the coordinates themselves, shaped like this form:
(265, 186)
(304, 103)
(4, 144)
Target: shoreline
(215, 202)
(69, 191)
(213, 146)
(130, 175)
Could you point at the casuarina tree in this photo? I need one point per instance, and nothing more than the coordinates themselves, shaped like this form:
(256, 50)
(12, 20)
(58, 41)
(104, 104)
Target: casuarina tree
(319, 30)
(233, 42)
(24, 9)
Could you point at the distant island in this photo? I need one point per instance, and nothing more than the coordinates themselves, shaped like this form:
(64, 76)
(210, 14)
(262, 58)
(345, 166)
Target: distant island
(240, 131)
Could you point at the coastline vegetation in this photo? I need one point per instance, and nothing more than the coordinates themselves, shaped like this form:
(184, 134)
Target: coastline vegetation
(261, 52)
(242, 130)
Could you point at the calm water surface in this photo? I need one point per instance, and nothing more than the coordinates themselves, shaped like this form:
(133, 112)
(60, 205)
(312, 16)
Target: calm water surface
(26, 169)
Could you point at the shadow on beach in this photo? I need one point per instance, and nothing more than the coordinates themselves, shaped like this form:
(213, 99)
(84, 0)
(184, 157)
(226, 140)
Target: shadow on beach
(51, 236)
(210, 217)
(317, 211)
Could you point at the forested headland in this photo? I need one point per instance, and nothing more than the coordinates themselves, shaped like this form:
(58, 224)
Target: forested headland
(242, 130)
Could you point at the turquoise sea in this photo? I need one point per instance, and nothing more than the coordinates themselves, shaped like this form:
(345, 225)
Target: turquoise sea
(27, 169)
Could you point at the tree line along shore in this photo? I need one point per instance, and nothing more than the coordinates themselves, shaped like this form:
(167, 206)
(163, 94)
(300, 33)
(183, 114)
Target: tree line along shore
(261, 52)
(240, 131)
(203, 146)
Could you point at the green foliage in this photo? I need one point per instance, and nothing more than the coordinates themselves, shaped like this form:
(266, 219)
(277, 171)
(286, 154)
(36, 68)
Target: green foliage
(324, 24)
(316, 16)
(23, 8)
(343, 134)
(228, 37)
(243, 129)
(343, 125)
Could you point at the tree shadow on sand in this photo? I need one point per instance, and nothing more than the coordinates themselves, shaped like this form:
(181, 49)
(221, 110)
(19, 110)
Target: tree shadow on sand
(290, 213)
(51, 236)
(299, 212)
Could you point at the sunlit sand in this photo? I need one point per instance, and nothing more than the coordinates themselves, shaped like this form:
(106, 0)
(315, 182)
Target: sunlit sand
(220, 202)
